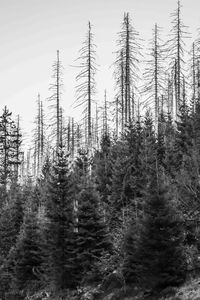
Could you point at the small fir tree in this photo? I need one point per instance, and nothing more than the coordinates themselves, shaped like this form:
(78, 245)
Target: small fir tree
(161, 251)
(93, 238)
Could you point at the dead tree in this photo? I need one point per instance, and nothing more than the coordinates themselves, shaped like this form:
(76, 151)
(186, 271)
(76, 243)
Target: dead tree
(38, 138)
(176, 51)
(154, 75)
(55, 98)
(105, 115)
(86, 87)
(127, 70)
(119, 86)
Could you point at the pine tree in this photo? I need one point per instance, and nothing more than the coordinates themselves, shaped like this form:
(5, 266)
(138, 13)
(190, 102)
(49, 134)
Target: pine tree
(161, 251)
(149, 153)
(103, 172)
(27, 257)
(184, 136)
(117, 206)
(93, 238)
(16, 158)
(59, 230)
(6, 147)
(130, 252)
(11, 219)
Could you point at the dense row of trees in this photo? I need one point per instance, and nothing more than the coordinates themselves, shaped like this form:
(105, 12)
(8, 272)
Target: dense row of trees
(132, 207)
(90, 200)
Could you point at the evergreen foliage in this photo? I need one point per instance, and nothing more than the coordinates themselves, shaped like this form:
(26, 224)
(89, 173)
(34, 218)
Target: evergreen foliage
(59, 227)
(26, 256)
(93, 238)
(124, 204)
(161, 251)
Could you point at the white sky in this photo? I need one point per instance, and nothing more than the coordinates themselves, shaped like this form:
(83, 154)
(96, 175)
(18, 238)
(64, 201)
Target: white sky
(32, 30)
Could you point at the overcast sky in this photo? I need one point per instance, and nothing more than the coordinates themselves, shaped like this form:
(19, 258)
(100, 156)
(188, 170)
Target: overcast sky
(32, 30)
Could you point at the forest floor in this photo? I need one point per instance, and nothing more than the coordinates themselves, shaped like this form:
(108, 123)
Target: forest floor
(189, 291)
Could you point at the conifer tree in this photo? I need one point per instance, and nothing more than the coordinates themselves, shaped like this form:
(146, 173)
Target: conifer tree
(16, 158)
(59, 230)
(184, 136)
(6, 146)
(120, 161)
(149, 149)
(128, 182)
(130, 251)
(11, 219)
(93, 240)
(161, 251)
(103, 172)
(27, 257)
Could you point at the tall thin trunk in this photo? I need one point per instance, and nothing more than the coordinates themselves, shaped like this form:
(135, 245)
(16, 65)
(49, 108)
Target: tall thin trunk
(178, 69)
(97, 127)
(72, 137)
(122, 89)
(193, 78)
(17, 149)
(38, 142)
(89, 87)
(117, 116)
(58, 100)
(68, 135)
(42, 130)
(156, 74)
(133, 106)
(127, 72)
(105, 117)
(198, 80)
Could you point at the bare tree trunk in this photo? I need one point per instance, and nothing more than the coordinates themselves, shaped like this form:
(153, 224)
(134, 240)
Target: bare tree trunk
(193, 78)
(156, 75)
(38, 142)
(105, 115)
(72, 137)
(18, 135)
(58, 100)
(117, 116)
(97, 127)
(127, 72)
(89, 87)
(42, 131)
(122, 89)
(68, 135)
(178, 69)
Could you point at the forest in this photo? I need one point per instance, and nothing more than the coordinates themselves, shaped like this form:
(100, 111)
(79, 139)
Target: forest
(107, 207)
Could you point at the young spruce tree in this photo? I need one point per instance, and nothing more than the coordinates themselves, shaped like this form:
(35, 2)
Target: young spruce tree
(93, 238)
(59, 227)
(161, 251)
